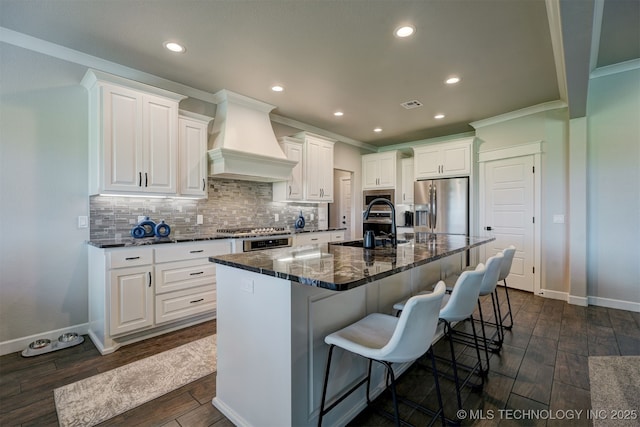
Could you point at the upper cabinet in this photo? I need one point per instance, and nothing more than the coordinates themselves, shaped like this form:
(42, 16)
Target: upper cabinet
(381, 170)
(192, 154)
(133, 134)
(292, 188)
(442, 160)
(314, 172)
(407, 181)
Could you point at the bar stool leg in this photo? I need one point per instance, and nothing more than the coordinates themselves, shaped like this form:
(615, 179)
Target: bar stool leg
(483, 371)
(324, 386)
(506, 291)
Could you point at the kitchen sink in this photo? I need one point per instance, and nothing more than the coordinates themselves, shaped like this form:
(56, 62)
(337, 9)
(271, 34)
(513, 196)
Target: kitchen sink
(360, 244)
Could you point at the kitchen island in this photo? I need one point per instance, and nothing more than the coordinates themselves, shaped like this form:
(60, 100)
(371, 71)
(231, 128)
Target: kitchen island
(275, 307)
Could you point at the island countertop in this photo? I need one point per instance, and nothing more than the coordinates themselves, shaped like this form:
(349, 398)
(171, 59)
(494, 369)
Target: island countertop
(339, 267)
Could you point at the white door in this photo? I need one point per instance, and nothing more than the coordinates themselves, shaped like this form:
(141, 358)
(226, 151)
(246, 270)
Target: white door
(345, 206)
(508, 196)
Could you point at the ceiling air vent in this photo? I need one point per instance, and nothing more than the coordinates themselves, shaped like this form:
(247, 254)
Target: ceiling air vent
(412, 104)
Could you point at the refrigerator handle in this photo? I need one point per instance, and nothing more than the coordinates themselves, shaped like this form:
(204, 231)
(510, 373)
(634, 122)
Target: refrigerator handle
(430, 207)
(435, 206)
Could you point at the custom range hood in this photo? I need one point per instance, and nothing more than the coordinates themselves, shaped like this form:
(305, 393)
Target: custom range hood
(245, 146)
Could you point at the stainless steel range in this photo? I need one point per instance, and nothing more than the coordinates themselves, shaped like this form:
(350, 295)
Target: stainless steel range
(249, 239)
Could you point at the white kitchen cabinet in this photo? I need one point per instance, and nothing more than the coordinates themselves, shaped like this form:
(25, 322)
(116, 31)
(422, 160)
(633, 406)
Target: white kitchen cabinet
(186, 279)
(192, 154)
(292, 189)
(381, 170)
(407, 181)
(136, 293)
(313, 237)
(133, 136)
(442, 160)
(318, 168)
(131, 299)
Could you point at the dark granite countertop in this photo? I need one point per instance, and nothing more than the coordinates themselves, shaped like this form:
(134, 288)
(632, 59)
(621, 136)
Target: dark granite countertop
(131, 242)
(340, 268)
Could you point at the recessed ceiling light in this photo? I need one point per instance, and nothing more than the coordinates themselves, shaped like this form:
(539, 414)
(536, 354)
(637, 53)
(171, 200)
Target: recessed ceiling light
(175, 47)
(277, 88)
(438, 116)
(378, 130)
(338, 114)
(404, 31)
(452, 80)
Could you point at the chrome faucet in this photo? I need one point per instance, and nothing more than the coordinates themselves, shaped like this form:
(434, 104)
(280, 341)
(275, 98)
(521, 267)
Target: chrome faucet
(394, 231)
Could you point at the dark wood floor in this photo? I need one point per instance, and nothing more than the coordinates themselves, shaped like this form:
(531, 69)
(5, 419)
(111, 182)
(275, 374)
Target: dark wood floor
(542, 365)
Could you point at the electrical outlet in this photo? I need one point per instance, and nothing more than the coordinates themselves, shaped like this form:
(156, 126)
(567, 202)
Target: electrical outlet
(199, 219)
(141, 218)
(276, 217)
(247, 286)
(311, 217)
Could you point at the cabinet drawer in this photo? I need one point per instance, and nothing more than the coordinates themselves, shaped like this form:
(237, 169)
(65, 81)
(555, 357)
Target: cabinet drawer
(337, 236)
(180, 304)
(118, 258)
(185, 251)
(173, 276)
(311, 238)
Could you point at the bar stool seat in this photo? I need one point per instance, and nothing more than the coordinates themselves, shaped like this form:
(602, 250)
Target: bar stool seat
(388, 339)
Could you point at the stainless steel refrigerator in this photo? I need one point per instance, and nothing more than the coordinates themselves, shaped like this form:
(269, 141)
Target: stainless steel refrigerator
(442, 206)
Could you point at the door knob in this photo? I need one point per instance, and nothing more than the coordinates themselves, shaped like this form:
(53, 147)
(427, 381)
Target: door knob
(488, 228)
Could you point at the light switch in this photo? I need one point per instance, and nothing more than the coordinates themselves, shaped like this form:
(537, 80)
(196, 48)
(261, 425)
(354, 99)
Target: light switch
(276, 217)
(558, 219)
(311, 216)
(83, 221)
(199, 219)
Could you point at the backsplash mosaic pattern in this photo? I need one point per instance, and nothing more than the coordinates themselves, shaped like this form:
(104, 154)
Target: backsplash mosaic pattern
(231, 204)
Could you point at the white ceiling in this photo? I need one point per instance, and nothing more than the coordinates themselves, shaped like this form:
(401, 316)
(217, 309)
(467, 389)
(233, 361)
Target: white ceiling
(341, 55)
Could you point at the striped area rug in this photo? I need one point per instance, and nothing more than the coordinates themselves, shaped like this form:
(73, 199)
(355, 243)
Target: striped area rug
(96, 399)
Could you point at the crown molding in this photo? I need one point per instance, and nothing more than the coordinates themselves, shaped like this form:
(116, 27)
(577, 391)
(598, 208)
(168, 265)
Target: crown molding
(546, 106)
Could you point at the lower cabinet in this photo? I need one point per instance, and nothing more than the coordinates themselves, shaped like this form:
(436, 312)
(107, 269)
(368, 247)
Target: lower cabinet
(136, 293)
(131, 299)
(310, 238)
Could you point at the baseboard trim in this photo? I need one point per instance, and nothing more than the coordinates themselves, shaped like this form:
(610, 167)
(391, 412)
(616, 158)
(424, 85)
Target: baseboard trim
(562, 296)
(596, 301)
(20, 344)
(615, 303)
(581, 301)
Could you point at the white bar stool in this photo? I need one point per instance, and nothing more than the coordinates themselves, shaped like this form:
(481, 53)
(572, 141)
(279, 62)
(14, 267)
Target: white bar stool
(388, 339)
(459, 306)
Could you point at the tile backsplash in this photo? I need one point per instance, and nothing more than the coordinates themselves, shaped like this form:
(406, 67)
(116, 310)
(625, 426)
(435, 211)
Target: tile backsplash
(231, 204)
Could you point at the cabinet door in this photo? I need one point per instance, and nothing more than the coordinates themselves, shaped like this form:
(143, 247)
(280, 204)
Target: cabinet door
(312, 171)
(131, 299)
(387, 168)
(294, 190)
(122, 139)
(326, 172)
(407, 181)
(192, 150)
(427, 162)
(370, 172)
(456, 160)
(160, 120)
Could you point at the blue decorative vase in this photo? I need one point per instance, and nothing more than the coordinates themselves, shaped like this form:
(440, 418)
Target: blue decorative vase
(300, 222)
(162, 229)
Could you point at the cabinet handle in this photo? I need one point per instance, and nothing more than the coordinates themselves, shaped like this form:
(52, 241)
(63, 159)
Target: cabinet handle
(132, 258)
(139, 179)
(149, 277)
(313, 240)
(146, 179)
(196, 252)
(196, 274)
(195, 301)
(204, 184)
